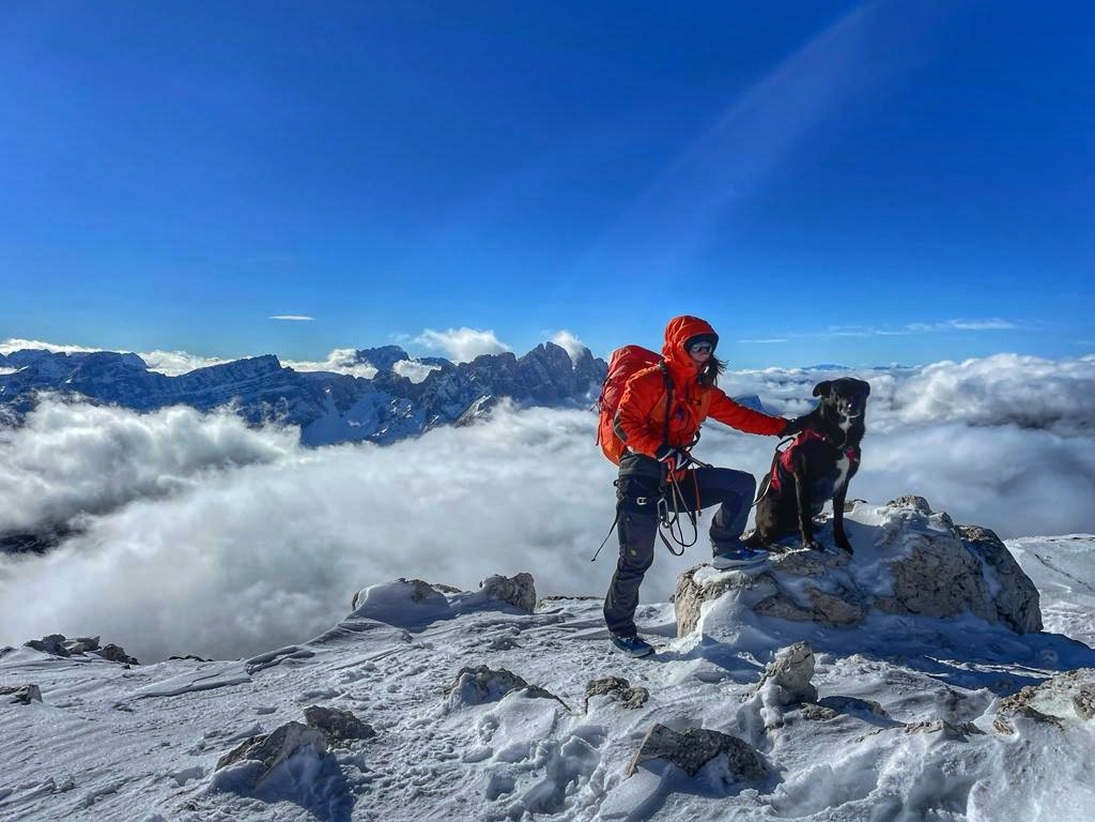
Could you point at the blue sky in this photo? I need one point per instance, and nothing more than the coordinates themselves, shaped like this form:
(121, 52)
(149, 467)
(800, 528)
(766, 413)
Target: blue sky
(858, 183)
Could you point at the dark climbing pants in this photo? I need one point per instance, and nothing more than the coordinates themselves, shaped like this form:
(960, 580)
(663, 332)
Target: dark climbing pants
(637, 496)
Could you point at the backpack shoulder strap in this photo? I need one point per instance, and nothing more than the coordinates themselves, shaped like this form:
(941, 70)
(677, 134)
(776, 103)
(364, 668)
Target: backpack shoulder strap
(668, 398)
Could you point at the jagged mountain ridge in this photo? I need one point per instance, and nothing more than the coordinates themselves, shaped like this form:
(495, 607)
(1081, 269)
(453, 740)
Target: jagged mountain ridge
(328, 407)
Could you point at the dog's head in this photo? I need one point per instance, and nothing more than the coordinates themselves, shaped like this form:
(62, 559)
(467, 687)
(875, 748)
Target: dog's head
(846, 396)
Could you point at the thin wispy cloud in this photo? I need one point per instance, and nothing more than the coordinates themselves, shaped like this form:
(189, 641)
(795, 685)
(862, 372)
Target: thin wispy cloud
(461, 344)
(910, 329)
(293, 317)
(992, 324)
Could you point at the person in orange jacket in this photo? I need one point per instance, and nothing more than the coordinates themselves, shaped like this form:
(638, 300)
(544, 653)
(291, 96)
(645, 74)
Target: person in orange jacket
(659, 418)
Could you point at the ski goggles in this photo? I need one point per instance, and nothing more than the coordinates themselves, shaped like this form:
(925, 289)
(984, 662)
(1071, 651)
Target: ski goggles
(701, 348)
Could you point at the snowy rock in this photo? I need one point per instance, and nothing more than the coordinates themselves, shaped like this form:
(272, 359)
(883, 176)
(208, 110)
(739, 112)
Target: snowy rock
(115, 653)
(337, 725)
(50, 644)
(694, 748)
(907, 561)
(617, 689)
(23, 694)
(519, 590)
(789, 675)
(82, 645)
(262, 754)
(475, 686)
(404, 603)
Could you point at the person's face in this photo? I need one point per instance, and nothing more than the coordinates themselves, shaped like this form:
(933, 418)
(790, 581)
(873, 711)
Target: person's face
(700, 353)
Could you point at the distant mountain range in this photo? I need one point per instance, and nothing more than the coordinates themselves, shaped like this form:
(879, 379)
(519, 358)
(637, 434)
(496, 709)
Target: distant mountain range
(328, 407)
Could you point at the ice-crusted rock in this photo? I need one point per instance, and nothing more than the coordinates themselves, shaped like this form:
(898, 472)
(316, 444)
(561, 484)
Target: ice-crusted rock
(695, 747)
(518, 590)
(789, 675)
(908, 561)
(1065, 698)
(22, 694)
(474, 686)
(248, 765)
(618, 690)
(337, 725)
(406, 603)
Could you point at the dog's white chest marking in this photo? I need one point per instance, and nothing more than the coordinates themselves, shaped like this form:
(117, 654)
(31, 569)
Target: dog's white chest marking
(845, 425)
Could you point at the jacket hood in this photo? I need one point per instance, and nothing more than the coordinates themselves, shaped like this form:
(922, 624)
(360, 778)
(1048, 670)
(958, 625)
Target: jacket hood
(679, 331)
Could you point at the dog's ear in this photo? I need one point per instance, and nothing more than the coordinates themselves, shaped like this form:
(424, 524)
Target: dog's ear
(822, 388)
(864, 387)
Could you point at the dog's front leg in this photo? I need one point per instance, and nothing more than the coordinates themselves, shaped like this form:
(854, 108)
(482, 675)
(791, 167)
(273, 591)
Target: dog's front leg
(802, 502)
(839, 536)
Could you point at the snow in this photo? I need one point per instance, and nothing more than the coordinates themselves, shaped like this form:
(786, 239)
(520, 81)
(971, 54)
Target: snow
(911, 720)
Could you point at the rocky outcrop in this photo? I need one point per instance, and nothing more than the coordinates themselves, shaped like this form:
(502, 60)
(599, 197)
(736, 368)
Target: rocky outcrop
(1060, 700)
(908, 561)
(328, 407)
(58, 645)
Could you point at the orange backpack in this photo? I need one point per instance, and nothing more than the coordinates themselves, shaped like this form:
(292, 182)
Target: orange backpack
(624, 362)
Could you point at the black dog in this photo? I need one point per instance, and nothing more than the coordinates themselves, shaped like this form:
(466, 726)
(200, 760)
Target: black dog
(816, 467)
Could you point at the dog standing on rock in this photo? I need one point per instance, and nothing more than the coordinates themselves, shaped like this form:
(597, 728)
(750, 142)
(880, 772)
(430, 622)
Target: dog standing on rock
(815, 468)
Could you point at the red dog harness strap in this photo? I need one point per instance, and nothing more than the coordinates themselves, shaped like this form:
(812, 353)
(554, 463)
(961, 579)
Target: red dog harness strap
(786, 458)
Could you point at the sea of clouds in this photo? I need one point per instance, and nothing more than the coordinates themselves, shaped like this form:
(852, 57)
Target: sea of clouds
(195, 533)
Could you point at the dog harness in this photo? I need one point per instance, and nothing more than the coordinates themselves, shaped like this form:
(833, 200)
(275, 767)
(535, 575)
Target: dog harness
(784, 465)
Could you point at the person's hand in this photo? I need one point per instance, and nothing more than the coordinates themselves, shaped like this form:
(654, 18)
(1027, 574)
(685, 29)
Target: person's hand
(794, 426)
(675, 458)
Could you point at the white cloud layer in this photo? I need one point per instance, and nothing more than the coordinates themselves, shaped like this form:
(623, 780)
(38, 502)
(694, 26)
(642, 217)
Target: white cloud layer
(461, 344)
(339, 361)
(203, 536)
(570, 343)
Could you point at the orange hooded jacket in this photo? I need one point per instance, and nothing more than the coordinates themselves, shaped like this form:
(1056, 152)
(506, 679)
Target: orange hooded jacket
(641, 417)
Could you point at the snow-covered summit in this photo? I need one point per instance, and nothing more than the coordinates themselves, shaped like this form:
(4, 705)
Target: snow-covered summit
(427, 702)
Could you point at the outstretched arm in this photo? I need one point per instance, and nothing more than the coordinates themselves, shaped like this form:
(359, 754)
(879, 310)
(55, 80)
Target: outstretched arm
(728, 412)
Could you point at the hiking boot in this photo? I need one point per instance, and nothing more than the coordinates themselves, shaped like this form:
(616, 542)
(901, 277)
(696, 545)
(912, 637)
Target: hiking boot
(632, 645)
(726, 558)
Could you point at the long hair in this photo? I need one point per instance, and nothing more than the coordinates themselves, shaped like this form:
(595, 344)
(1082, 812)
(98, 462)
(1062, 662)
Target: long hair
(709, 374)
